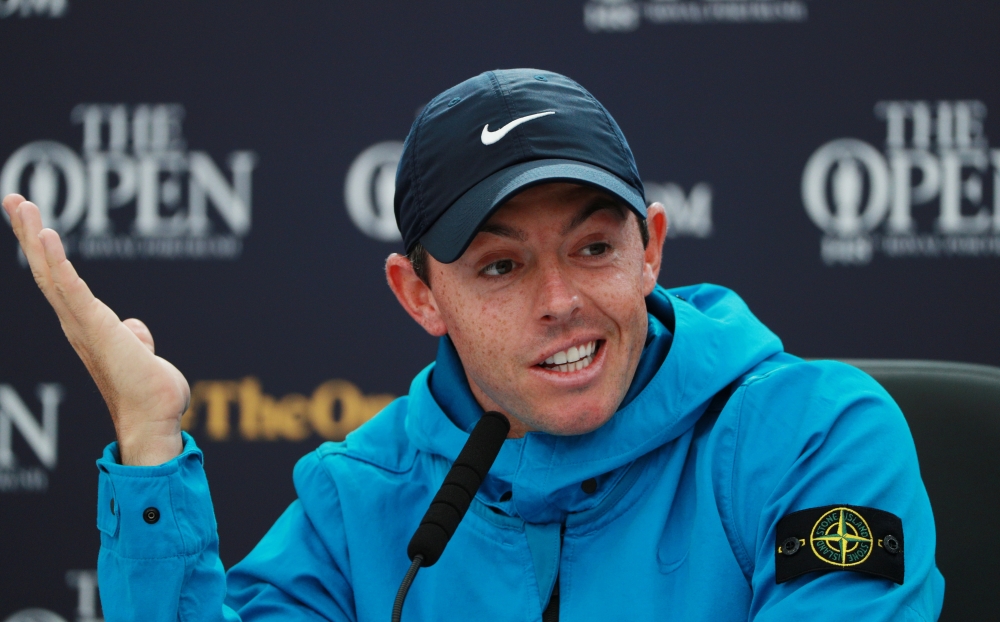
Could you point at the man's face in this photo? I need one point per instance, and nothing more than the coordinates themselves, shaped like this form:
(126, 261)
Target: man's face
(546, 307)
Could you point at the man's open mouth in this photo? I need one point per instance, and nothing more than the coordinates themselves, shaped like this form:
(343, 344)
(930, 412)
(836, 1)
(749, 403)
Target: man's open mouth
(573, 359)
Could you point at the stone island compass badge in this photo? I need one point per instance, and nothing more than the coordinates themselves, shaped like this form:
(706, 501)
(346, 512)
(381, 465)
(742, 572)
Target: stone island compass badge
(839, 537)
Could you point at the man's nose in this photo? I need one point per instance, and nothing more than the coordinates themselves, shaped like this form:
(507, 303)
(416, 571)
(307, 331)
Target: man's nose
(558, 298)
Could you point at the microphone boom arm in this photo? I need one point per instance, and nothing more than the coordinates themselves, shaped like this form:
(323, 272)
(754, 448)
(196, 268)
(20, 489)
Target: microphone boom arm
(453, 498)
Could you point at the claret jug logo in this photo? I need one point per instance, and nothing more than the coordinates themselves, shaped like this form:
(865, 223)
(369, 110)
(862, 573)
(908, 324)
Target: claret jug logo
(370, 188)
(136, 191)
(841, 537)
(928, 194)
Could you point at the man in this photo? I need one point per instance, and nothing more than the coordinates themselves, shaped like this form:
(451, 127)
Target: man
(667, 460)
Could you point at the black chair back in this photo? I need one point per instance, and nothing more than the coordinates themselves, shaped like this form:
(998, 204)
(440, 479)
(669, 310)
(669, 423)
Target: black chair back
(954, 413)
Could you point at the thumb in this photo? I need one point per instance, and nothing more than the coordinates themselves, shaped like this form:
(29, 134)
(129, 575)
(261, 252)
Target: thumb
(139, 330)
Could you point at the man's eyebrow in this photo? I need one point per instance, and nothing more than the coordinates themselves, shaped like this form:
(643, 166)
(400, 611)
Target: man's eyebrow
(503, 231)
(595, 205)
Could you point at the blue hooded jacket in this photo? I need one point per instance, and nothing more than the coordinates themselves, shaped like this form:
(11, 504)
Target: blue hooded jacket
(680, 526)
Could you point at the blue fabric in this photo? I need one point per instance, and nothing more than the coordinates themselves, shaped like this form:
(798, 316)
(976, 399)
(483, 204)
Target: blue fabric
(545, 546)
(681, 527)
(658, 340)
(449, 387)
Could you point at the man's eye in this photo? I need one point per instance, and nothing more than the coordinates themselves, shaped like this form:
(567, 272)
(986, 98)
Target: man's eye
(592, 250)
(498, 268)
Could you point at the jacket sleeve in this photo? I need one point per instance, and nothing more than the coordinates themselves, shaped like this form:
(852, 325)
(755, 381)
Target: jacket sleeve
(817, 434)
(159, 556)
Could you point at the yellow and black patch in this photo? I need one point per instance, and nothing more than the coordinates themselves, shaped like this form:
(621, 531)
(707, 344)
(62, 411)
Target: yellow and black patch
(839, 537)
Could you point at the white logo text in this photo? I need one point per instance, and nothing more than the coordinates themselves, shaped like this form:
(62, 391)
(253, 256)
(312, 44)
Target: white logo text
(125, 197)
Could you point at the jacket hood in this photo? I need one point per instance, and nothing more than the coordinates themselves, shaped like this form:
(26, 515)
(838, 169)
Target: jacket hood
(716, 339)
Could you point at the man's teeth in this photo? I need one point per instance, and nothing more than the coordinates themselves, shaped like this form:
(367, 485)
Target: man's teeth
(576, 357)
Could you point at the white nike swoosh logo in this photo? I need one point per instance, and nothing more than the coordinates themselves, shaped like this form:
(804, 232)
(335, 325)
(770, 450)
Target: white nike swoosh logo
(489, 137)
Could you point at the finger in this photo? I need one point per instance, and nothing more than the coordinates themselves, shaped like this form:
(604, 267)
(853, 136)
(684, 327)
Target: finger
(16, 221)
(69, 294)
(27, 223)
(17, 218)
(142, 332)
(10, 203)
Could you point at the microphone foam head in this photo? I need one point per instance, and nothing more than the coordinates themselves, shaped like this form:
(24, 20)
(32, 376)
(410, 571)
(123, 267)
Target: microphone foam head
(461, 484)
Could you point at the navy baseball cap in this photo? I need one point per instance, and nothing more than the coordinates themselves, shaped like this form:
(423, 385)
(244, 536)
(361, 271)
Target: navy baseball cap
(481, 142)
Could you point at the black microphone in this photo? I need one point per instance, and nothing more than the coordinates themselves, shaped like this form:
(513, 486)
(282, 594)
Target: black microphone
(453, 498)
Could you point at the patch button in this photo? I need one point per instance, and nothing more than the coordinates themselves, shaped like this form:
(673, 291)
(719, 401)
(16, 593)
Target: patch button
(890, 544)
(790, 546)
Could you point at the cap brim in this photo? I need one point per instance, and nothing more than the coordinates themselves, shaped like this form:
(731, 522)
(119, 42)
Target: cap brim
(448, 238)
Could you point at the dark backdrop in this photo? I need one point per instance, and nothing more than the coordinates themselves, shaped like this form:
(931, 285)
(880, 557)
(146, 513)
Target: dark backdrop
(257, 111)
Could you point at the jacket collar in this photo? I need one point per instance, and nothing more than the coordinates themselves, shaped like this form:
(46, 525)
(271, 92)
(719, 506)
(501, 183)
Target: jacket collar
(716, 339)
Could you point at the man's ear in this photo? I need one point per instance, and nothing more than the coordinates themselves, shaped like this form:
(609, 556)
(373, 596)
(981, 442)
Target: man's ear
(414, 295)
(656, 222)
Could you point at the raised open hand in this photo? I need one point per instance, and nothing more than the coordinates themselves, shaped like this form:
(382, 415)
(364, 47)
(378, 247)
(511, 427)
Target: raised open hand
(145, 394)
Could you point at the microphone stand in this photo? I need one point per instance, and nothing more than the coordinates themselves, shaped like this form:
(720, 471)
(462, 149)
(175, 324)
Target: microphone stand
(404, 587)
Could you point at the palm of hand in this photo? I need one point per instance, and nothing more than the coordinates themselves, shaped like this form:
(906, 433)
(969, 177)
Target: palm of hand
(145, 394)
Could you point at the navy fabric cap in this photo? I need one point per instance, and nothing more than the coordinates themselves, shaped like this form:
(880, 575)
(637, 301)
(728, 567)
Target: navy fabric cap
(483, 141)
